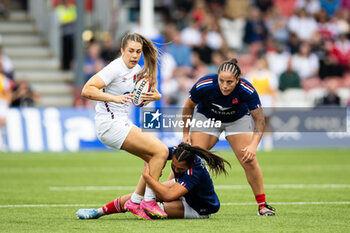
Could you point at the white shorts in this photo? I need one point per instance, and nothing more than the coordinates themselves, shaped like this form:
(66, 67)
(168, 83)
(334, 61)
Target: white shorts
(113, 132)
(242, 125)
(190, 212)
(3, 108)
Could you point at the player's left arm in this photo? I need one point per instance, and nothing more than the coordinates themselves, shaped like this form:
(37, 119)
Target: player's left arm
(162, 191)
(259, 125)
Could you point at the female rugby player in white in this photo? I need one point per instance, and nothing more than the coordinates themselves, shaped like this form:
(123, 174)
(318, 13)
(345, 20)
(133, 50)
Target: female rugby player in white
(111, 88)
(228, 98)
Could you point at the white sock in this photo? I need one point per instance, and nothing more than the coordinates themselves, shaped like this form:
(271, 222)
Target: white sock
(149, 194)
(136, 198)
(100, 212)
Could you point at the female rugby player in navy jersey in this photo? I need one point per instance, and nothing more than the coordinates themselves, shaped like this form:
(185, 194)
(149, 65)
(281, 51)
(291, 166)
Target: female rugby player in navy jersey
(190, 195)
(228, 98)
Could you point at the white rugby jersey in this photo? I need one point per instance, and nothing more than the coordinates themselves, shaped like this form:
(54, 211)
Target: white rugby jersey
(119, 80)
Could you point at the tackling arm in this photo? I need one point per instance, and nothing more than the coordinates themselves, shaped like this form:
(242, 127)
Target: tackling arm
(162, 191)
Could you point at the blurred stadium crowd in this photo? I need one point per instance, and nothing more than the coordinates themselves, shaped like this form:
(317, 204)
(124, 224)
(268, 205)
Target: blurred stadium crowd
(295, 51)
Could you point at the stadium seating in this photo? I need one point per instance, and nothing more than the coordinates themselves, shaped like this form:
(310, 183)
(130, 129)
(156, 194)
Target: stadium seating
(293, 98)
(34, 61)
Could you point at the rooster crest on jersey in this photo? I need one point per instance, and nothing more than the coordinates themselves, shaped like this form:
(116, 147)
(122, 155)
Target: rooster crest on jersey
(141, 86)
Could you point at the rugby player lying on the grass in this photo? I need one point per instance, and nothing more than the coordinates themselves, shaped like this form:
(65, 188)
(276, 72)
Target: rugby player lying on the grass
(190, 194)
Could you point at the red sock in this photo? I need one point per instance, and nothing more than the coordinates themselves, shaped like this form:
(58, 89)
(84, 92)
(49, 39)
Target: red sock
(260, 199)
(113, 207)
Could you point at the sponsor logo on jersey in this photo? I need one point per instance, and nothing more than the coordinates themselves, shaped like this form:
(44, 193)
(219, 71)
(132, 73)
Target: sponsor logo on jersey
(222, 113)
(221, 108)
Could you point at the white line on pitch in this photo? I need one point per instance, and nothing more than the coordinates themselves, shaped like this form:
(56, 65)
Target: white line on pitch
(296, 203)
(271, 186)
(49, 205)
(91, 188)
(285, 186)
(228, 204)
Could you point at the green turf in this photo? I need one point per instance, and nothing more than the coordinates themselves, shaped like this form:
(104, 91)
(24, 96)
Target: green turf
(26, 178)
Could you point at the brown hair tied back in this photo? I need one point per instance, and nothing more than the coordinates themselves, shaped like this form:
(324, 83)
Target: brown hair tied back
(231, 66)
(150, 53)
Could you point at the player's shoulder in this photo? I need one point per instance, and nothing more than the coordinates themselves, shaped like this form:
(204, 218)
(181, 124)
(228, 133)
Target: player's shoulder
(206, 82)
(198, 168)
(245, 86)
(114, 66)
(117, 61)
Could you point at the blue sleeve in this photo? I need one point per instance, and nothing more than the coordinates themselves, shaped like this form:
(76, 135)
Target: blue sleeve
(190, 179)
(254, 101)
(197, 93)
(250, 95)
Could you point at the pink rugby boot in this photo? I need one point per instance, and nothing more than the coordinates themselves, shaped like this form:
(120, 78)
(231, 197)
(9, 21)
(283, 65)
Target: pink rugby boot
(152, 208)
(136, 210)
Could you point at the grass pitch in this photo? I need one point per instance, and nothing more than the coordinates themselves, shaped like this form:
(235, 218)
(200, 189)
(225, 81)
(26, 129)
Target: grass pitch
(40, 192)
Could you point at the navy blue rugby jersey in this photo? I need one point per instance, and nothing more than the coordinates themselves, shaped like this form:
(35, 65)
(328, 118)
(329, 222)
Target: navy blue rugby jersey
(213, 104)
(201, 195)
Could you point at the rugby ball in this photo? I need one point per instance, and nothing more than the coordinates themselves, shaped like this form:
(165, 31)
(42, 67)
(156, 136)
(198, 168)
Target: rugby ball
(141, 86)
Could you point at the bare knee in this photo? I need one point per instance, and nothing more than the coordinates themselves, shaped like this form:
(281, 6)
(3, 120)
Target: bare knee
(165, 153)
(162, 153)
(250, 165)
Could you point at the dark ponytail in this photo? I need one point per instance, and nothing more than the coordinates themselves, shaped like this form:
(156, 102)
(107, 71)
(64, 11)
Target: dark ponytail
(187, 153)
(231, 66)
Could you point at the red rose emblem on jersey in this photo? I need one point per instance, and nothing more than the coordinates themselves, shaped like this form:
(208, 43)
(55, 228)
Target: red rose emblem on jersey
(235, 101)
